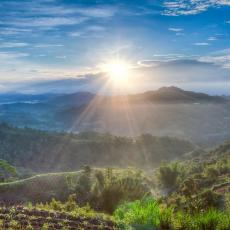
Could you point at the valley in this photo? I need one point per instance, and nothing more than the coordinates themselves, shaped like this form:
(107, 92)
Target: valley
(169, 111)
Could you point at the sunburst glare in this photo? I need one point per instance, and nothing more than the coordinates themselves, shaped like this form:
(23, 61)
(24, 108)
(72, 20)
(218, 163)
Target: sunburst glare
(118, 71)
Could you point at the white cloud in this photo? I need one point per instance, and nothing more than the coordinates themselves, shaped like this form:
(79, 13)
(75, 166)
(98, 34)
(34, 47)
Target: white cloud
(221, 60)
(212, 39)
(147, 63)
(191, 7)
(46, 14)
(12, 55)
(13, 44)
(13, 31)
(61, 57)
(46, 21)
(48, 45)
(175, 29)
(96, 28)
(201, 44)
(76, 34)
(88, 31)
(98, 12)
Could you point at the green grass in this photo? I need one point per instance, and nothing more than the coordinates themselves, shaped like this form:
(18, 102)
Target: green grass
(139, 213)
(37, 188)
(147, 214)
(103, 189)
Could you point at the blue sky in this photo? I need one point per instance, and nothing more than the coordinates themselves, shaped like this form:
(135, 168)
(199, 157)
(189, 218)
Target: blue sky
(58, 45)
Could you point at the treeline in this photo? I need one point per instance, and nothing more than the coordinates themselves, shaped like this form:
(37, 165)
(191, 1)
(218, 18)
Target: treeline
(41, 151)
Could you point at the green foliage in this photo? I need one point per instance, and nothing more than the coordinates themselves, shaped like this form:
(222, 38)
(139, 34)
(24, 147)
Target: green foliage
(36, 150)
(139, 213)
(105, 190)
(147, 214)
(70, 206)
(211, 172)
(208, 220)
(6, 170)
(168, 174)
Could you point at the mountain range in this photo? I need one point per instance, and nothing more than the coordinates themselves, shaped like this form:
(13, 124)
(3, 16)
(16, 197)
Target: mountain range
(167, 111)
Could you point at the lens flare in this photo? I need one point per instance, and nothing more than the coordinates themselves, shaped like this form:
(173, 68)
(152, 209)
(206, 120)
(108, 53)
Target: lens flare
(118, 71)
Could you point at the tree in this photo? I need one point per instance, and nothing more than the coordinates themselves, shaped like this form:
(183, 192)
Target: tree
(6, 170)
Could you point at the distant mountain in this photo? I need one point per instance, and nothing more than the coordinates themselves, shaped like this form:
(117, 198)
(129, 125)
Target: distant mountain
(227, 97)
(12, 98)
(176, 95)
(163, 95)
(167, 111)
(78, 98)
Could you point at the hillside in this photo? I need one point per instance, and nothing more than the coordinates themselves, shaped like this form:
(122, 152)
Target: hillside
(32, 150)
(163, 95)
(19, 217)
(192, 193)
(209, 169)
(169, 111)
(182, 120)
(176, 95)
(91, 186)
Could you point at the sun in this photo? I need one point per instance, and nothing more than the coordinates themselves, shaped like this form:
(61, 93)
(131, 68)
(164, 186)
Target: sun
(118, 71)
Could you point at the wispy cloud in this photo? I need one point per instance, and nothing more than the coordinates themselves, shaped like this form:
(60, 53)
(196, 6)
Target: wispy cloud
(49, 14)
(46, 21)
(97, 12)
(191, 7)
(76, 34)
(95, 28)
(174, 29)
(90, 30)
(221, 58)
(212, 39)
(13, 31)
(13, 44)
(47, 45)
(61, 57)
(12, 55)
(201, 44)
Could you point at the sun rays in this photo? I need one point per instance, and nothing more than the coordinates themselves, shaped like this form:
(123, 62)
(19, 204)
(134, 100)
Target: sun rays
(118, 72)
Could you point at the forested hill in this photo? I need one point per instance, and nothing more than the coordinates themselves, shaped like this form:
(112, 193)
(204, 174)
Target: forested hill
(47, 152)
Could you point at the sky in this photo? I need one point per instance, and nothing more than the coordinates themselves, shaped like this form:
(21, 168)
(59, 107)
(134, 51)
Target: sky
(60, 45)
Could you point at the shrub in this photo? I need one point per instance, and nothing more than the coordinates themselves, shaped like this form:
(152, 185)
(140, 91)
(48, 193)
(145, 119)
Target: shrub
(105, 190)
(208, 220)
(211, 172)
(224, 223)
(183, 221)
(143, 212)
(168, 174)
(165, 219)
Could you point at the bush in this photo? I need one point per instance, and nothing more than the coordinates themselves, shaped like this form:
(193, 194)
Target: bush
(208, 220)
(105, 190)
(168, 174)
(212, 173)
(143, 212)
(147, 214)
(183, 221)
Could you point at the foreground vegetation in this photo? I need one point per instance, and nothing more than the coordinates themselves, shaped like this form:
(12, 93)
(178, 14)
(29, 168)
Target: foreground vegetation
(103, 189)
(34, 151)
(192, 193)
(22, 218)
(148, 214)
